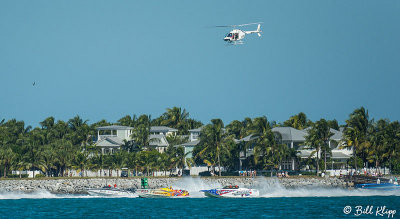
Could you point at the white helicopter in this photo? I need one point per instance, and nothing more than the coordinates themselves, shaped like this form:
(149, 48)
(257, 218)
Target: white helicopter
(236, 35)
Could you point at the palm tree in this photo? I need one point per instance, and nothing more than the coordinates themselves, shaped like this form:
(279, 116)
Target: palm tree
(314, 142)
(355, 133)
(236, 129)
(377, 150)
(128, 121)
(393, 141)
(181, 160)
(80, 130)
(81, 162)
(318, 138)
(6, 158)
(176, 118)
(298, 121)
(65, 151)
(212, 140)
(141, 133)
(146, 160)
(164, 162)
(94, 164)
(118, 159)
(267, 149)
(49, 158)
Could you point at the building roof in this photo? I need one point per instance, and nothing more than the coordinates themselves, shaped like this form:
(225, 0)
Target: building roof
(306, 154)
(114, 127)
(191, 143)
(248, 138)
(196, 130)
(112, 141)
(290, 134)
(161, 142)
(340, 155)
(162, 129)
(337, 135)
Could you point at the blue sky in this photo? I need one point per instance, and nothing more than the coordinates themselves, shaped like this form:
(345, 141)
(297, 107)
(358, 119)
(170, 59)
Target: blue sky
(107, 59)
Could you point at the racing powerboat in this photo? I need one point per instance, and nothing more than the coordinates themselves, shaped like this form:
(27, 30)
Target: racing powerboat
(163, 193)
(231, 192)
(380, 186)
(110, 191)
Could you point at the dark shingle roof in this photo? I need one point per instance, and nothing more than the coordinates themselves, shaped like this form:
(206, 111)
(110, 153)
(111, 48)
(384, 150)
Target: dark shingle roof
(290, 134)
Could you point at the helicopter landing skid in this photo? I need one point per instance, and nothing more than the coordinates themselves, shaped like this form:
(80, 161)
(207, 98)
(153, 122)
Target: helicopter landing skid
(234, 43)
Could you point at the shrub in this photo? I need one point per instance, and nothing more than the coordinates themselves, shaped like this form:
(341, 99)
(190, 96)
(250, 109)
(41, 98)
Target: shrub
(17, 176)
(205, 173)
(39, 175)
(308, 173)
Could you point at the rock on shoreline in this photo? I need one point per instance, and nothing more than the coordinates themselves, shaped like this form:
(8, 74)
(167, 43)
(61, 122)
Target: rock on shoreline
(79, 186)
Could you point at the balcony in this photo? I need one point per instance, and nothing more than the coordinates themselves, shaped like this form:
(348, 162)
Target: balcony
(101, 137)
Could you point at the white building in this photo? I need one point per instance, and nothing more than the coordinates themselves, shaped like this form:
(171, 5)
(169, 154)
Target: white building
(159, 142)
(194, 139)
(163, 130)
(111, 138)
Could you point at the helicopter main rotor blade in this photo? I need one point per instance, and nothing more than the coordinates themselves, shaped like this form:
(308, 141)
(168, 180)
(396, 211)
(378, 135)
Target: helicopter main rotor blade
(239, 25)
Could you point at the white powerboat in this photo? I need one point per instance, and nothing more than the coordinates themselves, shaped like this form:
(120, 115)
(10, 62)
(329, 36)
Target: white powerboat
(110, 191)
(232, 192)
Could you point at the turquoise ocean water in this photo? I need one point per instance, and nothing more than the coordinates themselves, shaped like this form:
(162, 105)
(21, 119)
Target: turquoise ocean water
(284, 207)
(275, 202)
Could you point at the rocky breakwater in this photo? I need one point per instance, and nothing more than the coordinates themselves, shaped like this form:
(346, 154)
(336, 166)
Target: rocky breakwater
(291, 182)
(76, 186)
(312, 182)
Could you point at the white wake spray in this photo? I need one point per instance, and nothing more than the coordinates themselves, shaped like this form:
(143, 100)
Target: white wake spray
(272, 188)
(267, 187)
(27, 195)
(194, 185)
(39, 194)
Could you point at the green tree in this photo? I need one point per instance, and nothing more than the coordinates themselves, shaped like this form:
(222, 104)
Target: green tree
(128, 121)
(176, 117)
(141, 133)
(6, 158)
(318, 138)
(267, 151)
(212, 140)
(298, 121)
(181, 160)
(355, 133)
(333, 124)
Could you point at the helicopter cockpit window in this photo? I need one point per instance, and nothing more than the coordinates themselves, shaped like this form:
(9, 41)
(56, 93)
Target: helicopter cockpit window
(229, 35)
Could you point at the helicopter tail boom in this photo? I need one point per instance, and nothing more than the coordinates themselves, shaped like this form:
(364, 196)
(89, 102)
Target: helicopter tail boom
(258, 31)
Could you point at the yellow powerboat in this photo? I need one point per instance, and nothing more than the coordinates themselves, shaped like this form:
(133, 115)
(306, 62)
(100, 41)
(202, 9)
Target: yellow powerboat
(164, 193)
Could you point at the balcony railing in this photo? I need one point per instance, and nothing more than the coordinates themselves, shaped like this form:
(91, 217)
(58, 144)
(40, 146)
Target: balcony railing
(101, 137)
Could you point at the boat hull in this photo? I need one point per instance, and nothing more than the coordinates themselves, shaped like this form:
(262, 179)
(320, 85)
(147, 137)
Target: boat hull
(381, 186)
(109, 192)
(232, 193)
(163, 193)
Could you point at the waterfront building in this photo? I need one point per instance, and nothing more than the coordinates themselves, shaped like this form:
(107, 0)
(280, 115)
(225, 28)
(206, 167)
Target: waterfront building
(163, 130)
(111, 138)
(158, 142)
(294, 138)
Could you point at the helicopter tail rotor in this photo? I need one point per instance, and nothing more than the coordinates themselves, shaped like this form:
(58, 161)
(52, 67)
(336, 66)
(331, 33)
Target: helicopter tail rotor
(257, 31)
